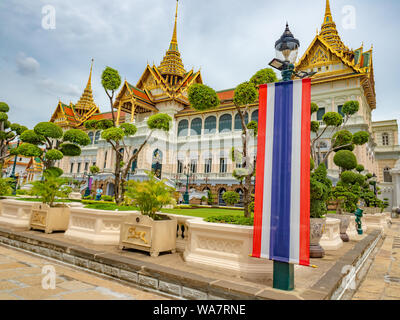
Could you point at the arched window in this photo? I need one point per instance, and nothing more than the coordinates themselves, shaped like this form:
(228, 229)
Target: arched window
(238, 121)
(387, 177)
(210, 125)
(221, 193)
(225, 123)
(385, 139)
(240, 192)
(97, 137)
(91, 134)
(254, 116)
(195, 127)
(183, 128)
(134, 162)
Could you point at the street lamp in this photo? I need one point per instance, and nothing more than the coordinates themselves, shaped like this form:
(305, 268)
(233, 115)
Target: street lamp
(188, 174)
(13, 176)
(88, 191)
(287, 48)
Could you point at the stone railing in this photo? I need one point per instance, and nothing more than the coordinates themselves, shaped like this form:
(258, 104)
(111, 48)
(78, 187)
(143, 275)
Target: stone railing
(182, 232)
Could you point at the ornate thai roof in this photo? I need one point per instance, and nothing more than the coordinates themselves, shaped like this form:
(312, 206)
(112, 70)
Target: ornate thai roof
(331, 59)
(171, 66)
(86, 102)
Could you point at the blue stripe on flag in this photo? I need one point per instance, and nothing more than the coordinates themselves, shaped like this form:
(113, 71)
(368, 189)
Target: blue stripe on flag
(281, 173)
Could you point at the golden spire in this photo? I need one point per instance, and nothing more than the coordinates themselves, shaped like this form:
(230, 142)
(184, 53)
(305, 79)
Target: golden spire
(86, 102)
(329, 32)
(172, 67)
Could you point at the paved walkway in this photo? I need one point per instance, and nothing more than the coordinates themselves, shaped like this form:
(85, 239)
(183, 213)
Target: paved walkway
(383, 279)
(21, 278)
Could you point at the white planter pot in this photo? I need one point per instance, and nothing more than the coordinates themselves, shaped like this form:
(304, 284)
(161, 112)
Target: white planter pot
(226, 248)
(16, 213)
(143, 233)
(49, 219)
(331, 240)
(375, 221)
(75, 196)
(352, 230)
(95, 226)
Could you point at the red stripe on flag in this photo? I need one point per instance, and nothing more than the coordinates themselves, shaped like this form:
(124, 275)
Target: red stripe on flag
(259, 190)
(305, 174)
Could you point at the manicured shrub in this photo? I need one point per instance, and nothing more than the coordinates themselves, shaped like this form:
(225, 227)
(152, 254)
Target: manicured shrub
(231, 198)
(345, 159)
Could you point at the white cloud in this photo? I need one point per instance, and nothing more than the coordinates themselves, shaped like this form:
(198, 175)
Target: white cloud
(58, 90)
(26, 65)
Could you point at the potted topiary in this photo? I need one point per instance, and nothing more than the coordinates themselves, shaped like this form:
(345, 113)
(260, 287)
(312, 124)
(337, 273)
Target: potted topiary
(204, 201)
(47, 215)
(149, 231)
(320, 187)
(347, 192)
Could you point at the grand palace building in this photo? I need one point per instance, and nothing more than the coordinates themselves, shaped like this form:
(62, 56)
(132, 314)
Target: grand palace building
(200, 143)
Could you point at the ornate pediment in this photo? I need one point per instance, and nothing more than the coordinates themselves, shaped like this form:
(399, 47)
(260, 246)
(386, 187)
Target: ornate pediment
(319, 56)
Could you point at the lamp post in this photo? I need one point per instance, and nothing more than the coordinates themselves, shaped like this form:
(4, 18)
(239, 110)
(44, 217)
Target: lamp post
(286, 54)
(87, 192)
(286, 49)
(13, 176)
(188, 174)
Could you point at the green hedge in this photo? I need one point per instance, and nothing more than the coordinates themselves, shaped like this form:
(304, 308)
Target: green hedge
(238, 220)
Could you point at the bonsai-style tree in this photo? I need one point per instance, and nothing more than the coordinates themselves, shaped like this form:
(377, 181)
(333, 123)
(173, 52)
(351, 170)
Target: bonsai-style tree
(8, 132)
(51, 187)
(341, 139)
(115, 134)
(319, 191)
(348, 190)
(94, 170)
(231, 198)
(345, 160)
(150, 195)
(57, 143)
(202, 98)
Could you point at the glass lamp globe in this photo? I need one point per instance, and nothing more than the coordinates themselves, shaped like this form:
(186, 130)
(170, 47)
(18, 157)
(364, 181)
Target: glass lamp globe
(287, 47)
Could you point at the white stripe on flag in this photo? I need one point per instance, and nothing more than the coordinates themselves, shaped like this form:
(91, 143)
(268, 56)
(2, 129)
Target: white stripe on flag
(269, 145)
(296, 173)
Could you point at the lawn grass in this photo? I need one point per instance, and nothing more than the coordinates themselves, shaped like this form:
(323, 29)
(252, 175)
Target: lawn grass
(204, 212)
(40, 200)
(192, 212)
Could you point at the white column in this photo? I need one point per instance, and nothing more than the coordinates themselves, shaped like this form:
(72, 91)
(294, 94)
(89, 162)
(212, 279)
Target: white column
(396, 185)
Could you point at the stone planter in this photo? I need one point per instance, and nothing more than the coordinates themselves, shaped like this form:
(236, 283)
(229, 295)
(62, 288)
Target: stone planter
(331, 240)
(344, 224)
(226, 248)
(143, 233)
(75, 196)
(95, 226)
(375, 221)
(49, 219)
(317, 228)
(16, 213)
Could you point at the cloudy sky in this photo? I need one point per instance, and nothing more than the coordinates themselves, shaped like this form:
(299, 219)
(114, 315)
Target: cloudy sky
(228, 39)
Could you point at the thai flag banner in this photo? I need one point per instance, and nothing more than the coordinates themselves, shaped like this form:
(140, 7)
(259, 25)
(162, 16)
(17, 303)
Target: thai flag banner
(282, 194)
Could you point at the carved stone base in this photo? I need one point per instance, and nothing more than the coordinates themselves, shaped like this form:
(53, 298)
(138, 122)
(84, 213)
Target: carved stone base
(316, 252)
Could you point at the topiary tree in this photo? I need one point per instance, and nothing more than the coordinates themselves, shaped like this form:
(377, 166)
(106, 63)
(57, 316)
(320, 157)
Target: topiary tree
(345, 159)
(341, 139)
(116, 134)
(8, 133)
(203, 98)
(56, 143)
(231, 198)
(320, 187)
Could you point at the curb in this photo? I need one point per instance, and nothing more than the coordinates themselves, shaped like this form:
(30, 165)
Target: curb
(176, 283)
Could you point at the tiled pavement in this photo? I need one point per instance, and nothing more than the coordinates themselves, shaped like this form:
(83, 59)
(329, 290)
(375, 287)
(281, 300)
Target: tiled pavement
(21, 279)
(383, 279)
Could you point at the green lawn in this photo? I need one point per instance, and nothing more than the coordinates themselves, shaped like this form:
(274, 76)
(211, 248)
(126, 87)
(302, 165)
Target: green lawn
(204, 212)
(192, 212)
